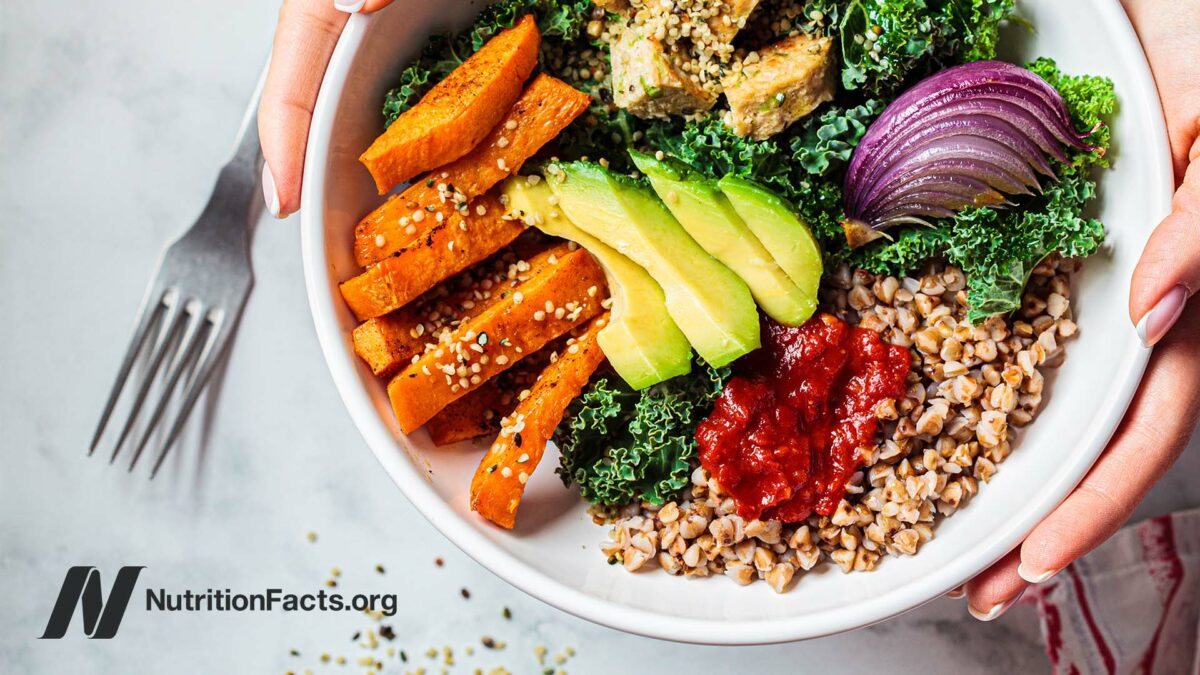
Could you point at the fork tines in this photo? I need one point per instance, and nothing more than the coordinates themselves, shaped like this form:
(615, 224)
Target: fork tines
(183, 341)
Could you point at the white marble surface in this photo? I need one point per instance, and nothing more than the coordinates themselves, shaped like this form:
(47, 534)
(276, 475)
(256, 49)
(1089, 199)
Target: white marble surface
(113, 120)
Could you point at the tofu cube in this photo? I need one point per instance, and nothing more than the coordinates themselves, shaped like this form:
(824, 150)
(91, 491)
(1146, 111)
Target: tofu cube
(647, 83)
(730, 19)
(786, 82)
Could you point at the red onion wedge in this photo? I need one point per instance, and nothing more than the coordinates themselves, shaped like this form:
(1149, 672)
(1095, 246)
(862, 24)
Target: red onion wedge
(966, 136)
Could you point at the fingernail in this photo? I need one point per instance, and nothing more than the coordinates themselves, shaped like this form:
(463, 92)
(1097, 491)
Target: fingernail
(350, 7)
(956, 593)
(1033, 576)
(270, 194)
(996, 610)
(1162, 316)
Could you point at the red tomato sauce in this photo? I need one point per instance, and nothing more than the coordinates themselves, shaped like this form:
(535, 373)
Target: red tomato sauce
(796, 420)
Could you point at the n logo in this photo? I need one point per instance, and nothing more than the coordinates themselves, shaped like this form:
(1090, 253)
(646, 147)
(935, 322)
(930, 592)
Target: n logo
(101, 618)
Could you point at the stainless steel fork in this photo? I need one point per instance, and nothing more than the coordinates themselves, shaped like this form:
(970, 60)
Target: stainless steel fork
(193, 305)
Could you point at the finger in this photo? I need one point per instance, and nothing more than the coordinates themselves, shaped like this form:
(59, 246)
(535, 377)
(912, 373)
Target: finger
(304, 39)
(1164, 40)
(1168, 272)
(1153, 435)
(996, 589)
(364, 6)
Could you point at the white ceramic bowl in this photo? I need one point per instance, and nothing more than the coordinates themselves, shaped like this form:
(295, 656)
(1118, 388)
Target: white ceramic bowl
(553, 554)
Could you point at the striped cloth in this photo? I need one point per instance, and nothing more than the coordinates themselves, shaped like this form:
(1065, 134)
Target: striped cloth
(1131, 606)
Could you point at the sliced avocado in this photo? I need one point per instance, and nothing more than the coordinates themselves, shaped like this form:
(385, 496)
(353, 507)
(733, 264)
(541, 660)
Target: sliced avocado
(641, 341)
(707, 215)
(709, 303)
(774, 221)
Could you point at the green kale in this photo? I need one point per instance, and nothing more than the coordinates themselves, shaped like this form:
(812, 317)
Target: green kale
(886, 44)
(621, 445)
(814, 147)
(560, 22)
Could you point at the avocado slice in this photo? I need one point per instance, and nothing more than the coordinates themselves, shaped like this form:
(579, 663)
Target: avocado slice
(641, 341)
(774, 221)
(709, 303)
(707, 215)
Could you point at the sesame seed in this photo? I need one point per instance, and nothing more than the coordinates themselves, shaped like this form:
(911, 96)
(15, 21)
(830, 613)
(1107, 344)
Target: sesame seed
(418, 216)
(523, 477)
(502, 142)
(501, 360)
(380, 241)
(506, 472)
(539, 315)
(591, 291)
(510, 125)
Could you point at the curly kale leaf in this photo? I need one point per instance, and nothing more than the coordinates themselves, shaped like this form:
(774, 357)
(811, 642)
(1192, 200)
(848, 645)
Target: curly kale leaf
(620, 445)
(885, 44)
(814, 147)
(826, 141)
(560, 21)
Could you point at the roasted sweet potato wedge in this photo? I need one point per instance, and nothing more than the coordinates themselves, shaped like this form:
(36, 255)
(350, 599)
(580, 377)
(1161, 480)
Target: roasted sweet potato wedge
(529, 316)
(479, 412)
(459, 111)
(389, 342)
(544, 109)
(449, 248)
(499, 482)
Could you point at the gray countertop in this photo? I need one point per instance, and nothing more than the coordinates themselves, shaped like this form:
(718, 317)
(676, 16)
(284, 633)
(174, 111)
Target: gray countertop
(113, 122)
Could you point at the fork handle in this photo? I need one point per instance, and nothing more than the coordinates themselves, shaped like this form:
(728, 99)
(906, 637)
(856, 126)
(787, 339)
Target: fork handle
(233, 206)
(246, 149)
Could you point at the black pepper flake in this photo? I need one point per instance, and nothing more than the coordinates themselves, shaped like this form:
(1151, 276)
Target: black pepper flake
(404, 656)
(294, 652)
(488, 641)
(507, 613)
(465, 593)
(429, 182)
(439, 562)
(491, 468)
(354, 638)
(517, 439)
(379, 568)
(387, 632)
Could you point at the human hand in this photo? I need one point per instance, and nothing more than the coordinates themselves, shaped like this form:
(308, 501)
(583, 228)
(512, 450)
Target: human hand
(304, 40)
(1164, 413)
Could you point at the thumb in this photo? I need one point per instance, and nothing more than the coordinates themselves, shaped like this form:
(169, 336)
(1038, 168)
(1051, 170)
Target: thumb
(356, 6)
(1169, 270)
(304, 40)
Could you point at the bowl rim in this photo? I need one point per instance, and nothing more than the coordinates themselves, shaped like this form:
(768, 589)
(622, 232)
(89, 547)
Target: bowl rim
(420, 492)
